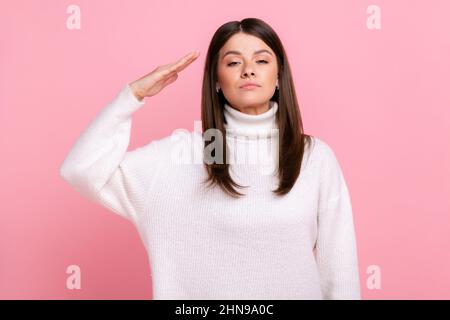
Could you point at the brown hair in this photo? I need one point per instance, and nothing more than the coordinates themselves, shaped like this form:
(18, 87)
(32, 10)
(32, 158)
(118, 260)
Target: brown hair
(292, 139)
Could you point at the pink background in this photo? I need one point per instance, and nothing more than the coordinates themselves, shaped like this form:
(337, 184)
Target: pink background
(380, 98)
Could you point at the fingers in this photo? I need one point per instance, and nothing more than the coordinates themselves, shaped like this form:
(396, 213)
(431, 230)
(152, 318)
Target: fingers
(184, 62)
(171, 69)
(170, 80)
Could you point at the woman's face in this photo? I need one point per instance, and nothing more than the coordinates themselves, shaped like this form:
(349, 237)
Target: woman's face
(246, 58)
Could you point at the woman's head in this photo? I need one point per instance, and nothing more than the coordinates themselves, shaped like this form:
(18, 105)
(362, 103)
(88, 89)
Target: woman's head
(227, 72)
(242, 59)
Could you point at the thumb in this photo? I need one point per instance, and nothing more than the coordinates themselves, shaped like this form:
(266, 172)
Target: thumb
(171, 79)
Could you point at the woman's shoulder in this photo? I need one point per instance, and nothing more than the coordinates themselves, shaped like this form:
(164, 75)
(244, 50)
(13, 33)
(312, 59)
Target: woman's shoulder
(320, 146)
(178, 136)
(322, 152)
(181, 146)
(327, 160)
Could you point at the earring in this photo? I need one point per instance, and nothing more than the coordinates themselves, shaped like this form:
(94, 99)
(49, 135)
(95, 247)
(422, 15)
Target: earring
(277, 88)
(217, 89)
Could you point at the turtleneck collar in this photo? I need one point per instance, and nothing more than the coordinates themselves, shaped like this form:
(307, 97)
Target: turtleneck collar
(243, 125)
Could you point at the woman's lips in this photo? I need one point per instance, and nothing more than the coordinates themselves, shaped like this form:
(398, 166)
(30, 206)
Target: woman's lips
(249, 87)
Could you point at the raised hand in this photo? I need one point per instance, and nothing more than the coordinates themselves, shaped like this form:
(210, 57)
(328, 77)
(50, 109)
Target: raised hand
(162, 76)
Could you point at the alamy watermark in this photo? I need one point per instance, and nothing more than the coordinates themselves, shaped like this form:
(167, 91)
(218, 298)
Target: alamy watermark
(252, 148)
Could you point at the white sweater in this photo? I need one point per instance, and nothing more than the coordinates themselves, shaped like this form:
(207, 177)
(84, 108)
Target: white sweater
(204, 244)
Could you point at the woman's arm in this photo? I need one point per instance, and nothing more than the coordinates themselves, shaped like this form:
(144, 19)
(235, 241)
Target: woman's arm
(99, 167)
(336, 250)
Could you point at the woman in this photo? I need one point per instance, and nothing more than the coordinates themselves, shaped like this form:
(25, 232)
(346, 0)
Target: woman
(289, 236)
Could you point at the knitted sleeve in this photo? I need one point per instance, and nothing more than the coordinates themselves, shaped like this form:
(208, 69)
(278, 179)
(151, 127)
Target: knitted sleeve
(99, 167)
(336, 250)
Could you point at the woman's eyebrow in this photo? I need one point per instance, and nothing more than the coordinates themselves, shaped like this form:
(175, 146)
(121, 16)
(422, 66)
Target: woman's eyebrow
(239, 53)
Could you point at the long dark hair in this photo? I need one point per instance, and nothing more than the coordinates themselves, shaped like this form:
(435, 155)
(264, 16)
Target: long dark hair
(290, 126)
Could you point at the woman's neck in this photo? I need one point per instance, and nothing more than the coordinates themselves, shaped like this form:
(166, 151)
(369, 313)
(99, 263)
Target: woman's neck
(248, 126)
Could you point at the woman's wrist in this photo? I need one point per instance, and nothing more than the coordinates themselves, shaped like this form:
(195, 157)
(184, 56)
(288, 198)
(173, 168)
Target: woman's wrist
(136, 91)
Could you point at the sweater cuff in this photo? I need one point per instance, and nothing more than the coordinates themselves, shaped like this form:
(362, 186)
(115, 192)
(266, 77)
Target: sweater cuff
(131, 95)
(125, 103)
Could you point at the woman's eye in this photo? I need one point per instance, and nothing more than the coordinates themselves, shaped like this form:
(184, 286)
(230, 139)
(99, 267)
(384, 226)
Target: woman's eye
(232, 63)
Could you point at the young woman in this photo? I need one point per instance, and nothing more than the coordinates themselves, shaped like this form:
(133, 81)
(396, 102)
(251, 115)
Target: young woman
(290, 235)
